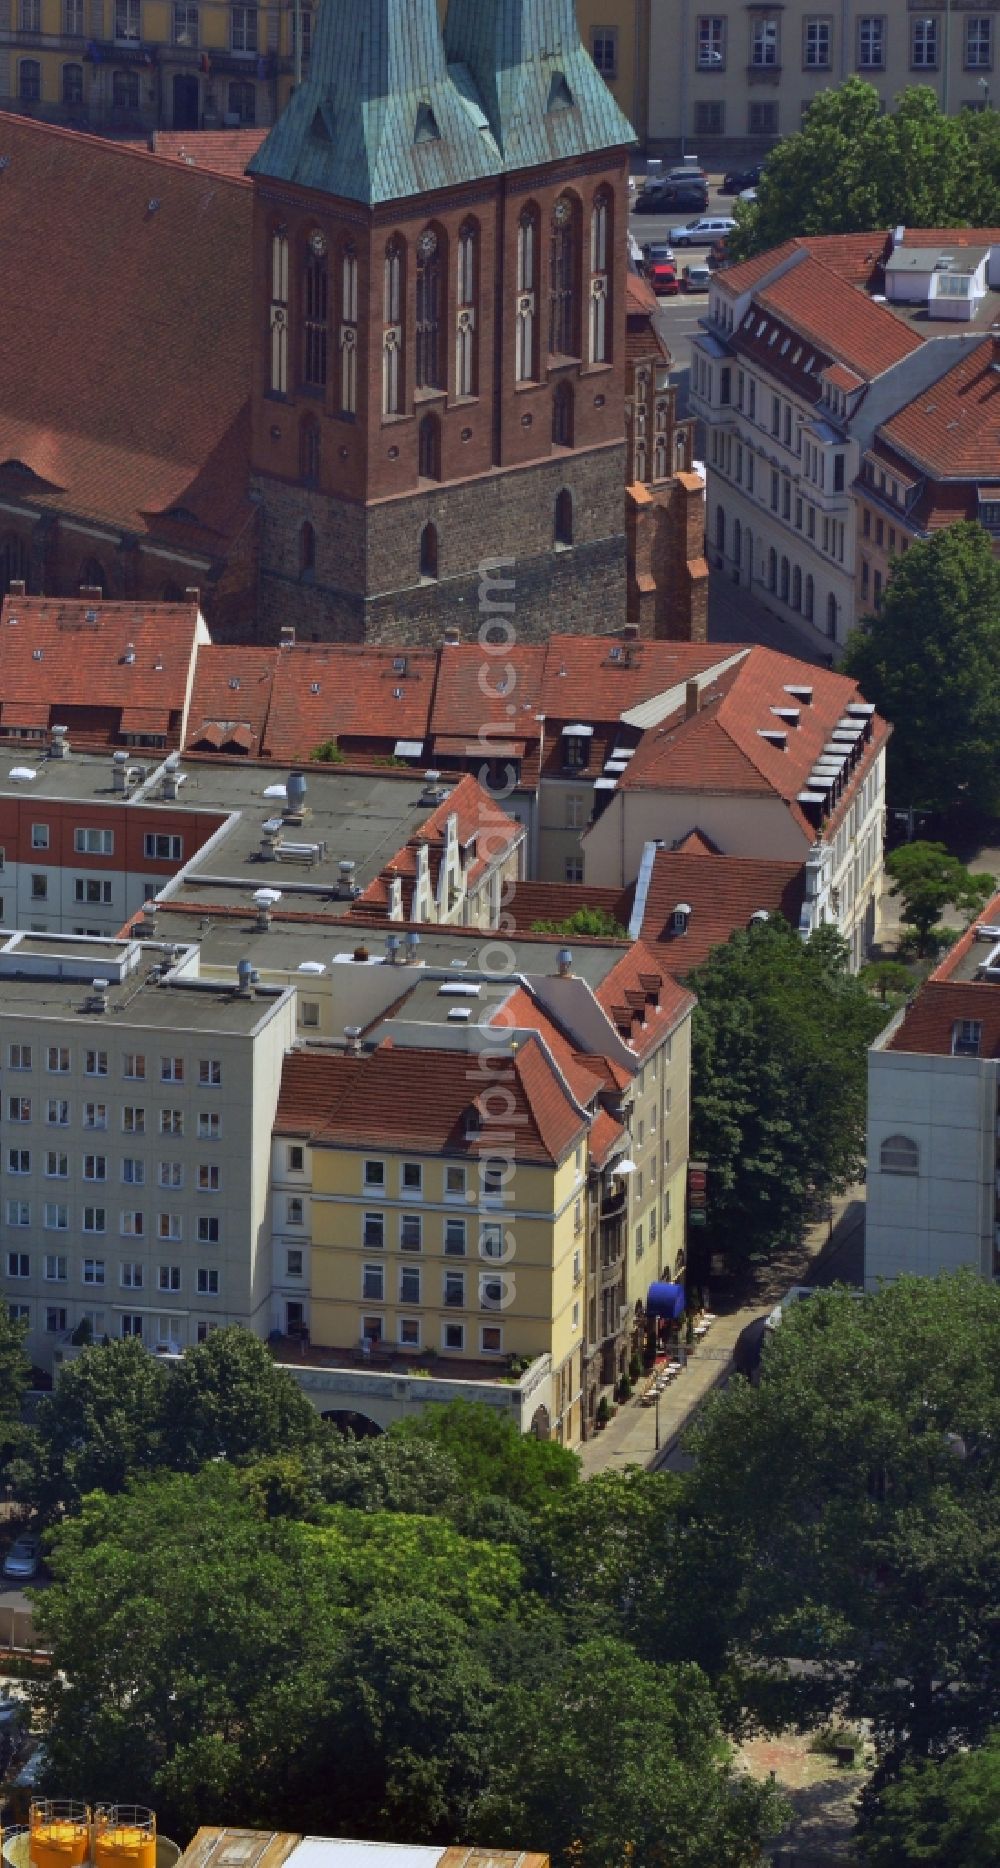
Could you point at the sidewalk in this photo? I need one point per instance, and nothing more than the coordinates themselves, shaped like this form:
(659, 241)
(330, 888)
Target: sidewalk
(630, 1438)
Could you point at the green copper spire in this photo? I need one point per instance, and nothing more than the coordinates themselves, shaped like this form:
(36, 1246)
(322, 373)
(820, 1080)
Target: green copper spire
(380, 116)
(541, 93)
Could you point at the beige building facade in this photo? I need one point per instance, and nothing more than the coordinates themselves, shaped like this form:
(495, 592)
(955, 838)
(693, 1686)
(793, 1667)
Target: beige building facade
(746, 74)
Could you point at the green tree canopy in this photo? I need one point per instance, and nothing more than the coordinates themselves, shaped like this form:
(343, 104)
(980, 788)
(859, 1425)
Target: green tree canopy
(101, 1426)
(594, 1545)
(608, 1759)
(393, 1555)
(492, 1456)
(930, 662)
(928, 879)
(853, 168)
(229, 1400)
(15, 1374)
(939, 1813)
(596, 922)
(780, 1037)
(847, 1513)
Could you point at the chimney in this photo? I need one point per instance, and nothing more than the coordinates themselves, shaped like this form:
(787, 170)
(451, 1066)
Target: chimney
(59, 744)
(244, 979)
(192, 594)
(119, 772)
(17, 587)
(265, 900)
(92, 593)
(452, 634)
(392, 946)
(630, 632)
(353, 1035)
(692, 699)
(286, 638)
(564, 962)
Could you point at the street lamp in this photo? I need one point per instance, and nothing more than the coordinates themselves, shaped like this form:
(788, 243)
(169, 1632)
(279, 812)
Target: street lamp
(984, 86)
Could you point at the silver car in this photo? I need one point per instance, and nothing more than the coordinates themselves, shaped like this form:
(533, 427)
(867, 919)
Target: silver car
(21, 1561)
(702, 232)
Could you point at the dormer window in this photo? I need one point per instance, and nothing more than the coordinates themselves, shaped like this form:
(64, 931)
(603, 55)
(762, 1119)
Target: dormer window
(966, 1037)
(680, 918)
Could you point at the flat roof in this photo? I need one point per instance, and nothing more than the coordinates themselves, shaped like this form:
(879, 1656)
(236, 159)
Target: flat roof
(143, 1000)
(87, 776)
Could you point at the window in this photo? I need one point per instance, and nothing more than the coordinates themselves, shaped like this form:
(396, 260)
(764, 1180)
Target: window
(94, 842)
(491, 1241)
(491, 1339)
(18, 1213)
(764, 43)
(709, 118)
(95, 1063)
(816, 45)
(128, 20)
(871, 42)
(315, 296)
(57, 1059)
(600, 228)
(172, 1122)
(409, 1284)
(19, 1108)
(95, 1115)
(18, 1265)
(392, 327)
(93, 1271)
(131, 1325)
(454, 1183)
(294, 1262)
(374, 1174)
(711, 51)
(94, 1219)
(125, 90)
(348, 329)
(165, 849)
(55, 1216)
(924, 44)
(978, 43)
(130, 1275)
(454, 1290)
(208, 1281)
(562, 271)
(525, 367)
(899, 1155)
(244, 29)
(410, 1232)
(209, 1072)
(838, 473)
(209, 1126)
(373, 1282)
(966, 1037)
(762, 120)
(185, 23)
(412, 1177)
(307, 24)
(132, 1225)
(296, 1159)
(604, 50)
(409, 1332)
(374, 1231)
(56, 1268)
(209, 1229)
(55, 1318)
(95, 1167)
(465, 328)
(19, 1057)
(168, 1226)
(208, 1181)
(171, 1069)
(428, 311)
(18, 1161)
(563, 531)
(168, 1278)
(73, 18)
(171, 1174)
(573, 869)
(429, 448)
(453, 1336)
(279, 313)
(562, 416)
(39, 888)
(454, 1238)
(57, 1113)
(72, 85)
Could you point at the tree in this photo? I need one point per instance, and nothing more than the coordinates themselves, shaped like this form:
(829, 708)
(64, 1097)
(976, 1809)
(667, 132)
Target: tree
(101, 1426)
(779, 1071)
(928, 879)
(594, 1546)
(597, 923)
(886, 977)
(394, 1556)
(390, 1473)
(193, 1645)
(15, 1374)
(930, 662)
(938, 1813)
(847, 1513)
(853, 168)
(229, 1400)
(492, 1455)
(605, 1759)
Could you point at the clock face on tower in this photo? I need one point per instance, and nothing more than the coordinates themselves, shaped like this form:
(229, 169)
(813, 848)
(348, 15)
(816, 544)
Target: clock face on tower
(317, 242)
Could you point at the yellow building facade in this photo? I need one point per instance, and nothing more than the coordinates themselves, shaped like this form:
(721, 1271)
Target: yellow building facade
(128, 66)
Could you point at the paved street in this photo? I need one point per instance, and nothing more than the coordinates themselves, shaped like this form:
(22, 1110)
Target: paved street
(734, 615)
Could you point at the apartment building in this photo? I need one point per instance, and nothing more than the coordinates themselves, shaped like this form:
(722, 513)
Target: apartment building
(747, 75)
(934, 1120)
(136, 1197)
(761, 763)
(800, 364)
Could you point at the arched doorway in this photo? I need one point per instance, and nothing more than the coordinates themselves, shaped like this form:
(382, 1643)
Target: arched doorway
(564, 517)
(429, 551)
(352, 1426)
(541, 1424)
(185, 100)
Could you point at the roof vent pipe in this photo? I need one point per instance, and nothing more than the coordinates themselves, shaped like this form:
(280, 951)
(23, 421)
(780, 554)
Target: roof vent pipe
(412, 939)
(59, 744)
(119, 772)
(392, 946)
(692, 699)
(244, 979)
(353, 1035)
(564, 962)
(295, 793)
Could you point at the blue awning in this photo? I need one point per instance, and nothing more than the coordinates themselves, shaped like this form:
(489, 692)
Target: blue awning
(666, 1301)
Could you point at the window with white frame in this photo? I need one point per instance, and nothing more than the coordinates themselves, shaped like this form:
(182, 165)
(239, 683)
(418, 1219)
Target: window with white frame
(816, 42)
(711, 42)
(764, 43)
(94, 842)
(243, 29)
(130, 1274)
(924, 43)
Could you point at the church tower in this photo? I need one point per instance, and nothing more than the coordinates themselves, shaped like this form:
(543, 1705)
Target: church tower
(439, 364)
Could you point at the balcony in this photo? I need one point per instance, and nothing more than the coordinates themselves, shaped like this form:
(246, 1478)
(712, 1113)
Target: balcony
(614, 1202)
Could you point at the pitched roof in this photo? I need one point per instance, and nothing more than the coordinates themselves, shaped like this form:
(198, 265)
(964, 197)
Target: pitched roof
(230, 698)
(403, 1096)
(852, 257)
(952, 429)
(528, 902)
(474, 689)
(225, 152)
(929, 1023)
(476, 814)
(326, 691)
(643, 1001)
(722, 893)
(593, 678)
(606, 1134)
(838, 318)
(519, 1011)
(102, 669)
(131, 233)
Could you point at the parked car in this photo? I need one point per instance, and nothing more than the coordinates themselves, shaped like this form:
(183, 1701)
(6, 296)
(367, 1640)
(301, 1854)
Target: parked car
(663, 278)
(696, 278)
(702, 232)
(747, 194)
(672, 197)
(657, 250)
(687, 172)
(735, 180)
(21, 1561)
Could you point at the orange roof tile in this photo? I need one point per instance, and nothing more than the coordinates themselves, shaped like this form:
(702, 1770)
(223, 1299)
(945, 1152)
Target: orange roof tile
(606, 1134)
(336, 691)
(640, 978)
(230, 698)
(475, 690)
(597, 678)
(477, 814)
(131, 233)
(952, 429)
(114, 667)
(519, 1011)
(722, 893)
(225, 152)
(838, 318)
(556, 901)
(928, 1024)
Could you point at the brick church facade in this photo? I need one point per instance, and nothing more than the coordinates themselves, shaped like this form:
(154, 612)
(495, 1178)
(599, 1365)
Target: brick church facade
(346, 393)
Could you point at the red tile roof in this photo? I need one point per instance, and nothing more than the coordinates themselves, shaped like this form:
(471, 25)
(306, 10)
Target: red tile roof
(225, 152)
(722, 893)
(851, 257)
(529, 902)
(336, 691)
(745, 274)
(102, 669)
(482, 825)
(642, 999)
(952, 429)
(592, 678)
(928, 1024)
(474, 688)
(131, 233)
(948, 237)
(838, 318)
(230, 698)
(720, 750)
(402, 1096)
(606, 1135)
(520, 1012)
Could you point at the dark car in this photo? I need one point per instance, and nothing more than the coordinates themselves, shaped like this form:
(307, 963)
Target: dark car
(734, 182)
(664, 197)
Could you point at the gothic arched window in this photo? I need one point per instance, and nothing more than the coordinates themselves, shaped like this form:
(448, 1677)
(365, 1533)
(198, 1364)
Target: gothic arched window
(562, 279)
(525, 346)
(428, 371)
(392, 327)
(279, 313)
(348, 331)
(600, 246)
(465, 326)
(315, 313)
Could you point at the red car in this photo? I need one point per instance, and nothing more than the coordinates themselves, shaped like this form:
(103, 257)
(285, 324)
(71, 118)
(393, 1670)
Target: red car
(663, 278)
